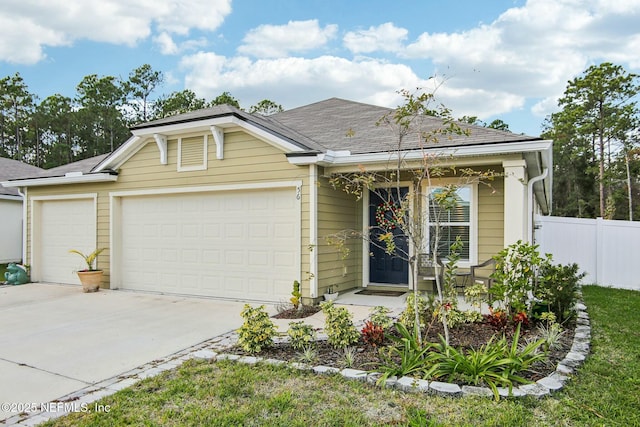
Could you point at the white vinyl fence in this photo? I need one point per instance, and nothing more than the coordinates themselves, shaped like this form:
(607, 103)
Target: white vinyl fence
(608, 251)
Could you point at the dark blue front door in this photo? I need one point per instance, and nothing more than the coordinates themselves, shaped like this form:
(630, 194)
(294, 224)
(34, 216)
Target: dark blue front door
(383, 267)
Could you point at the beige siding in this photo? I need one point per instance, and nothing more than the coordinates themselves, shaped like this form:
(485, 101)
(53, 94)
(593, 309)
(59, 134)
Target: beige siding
(490, 219)
(247, 160)
(338, 211)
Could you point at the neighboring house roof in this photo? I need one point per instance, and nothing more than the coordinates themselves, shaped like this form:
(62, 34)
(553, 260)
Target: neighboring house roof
(14, 169)
(85, 166)
(76, 172)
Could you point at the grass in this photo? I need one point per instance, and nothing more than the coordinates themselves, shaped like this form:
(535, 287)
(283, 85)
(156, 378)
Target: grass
(606, 392)
(3, 269)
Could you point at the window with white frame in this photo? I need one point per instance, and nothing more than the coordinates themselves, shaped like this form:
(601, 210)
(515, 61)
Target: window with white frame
(450, 217)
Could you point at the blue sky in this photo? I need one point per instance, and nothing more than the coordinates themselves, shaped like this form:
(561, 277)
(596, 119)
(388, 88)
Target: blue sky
(506, 59)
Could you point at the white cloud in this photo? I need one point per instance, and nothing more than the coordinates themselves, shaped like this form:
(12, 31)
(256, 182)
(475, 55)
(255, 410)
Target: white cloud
(386, 37)
(30, 26)
(22, 40)
(166, 44)
(545, 107)
(275, 41)
(295, 81)
(533, 50)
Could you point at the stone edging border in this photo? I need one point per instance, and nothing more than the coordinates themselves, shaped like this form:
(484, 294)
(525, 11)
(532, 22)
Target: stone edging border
(207, 350)
(543, 387)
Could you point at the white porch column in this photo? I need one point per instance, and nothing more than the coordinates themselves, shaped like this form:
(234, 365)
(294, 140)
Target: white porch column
(515, 201)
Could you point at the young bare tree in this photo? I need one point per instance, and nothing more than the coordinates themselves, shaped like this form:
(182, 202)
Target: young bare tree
(412, 215)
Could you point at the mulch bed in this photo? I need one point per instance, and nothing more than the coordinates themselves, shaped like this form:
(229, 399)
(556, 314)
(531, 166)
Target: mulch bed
(294, 313)
(470, 335)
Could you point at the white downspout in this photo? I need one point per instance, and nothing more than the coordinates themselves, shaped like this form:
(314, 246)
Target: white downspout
(532, 181)
(24, 223)
(313, 230)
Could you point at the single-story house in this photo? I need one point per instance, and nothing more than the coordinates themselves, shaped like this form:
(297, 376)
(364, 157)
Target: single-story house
(223, 203)
(11, 210)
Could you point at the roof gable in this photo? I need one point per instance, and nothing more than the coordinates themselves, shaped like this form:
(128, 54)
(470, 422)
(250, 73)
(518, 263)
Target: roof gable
(330, 132)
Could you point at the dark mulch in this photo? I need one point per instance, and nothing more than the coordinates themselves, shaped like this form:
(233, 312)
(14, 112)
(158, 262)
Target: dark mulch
(472, 335)
(294, 313)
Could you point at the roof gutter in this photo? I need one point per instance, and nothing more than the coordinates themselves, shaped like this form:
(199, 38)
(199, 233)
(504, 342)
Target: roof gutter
(69, 178)
(16, 198)
(338, 158)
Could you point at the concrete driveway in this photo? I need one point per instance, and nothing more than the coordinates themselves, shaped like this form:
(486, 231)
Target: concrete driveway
(55, 340)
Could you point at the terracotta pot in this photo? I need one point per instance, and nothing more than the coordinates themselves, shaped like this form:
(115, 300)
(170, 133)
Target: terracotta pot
(90, 280)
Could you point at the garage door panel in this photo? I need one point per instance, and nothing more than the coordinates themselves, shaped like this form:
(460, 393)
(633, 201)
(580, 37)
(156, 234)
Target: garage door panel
(64, 225)
(229, 244)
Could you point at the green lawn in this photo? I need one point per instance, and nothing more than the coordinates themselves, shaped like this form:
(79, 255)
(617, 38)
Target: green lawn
(605, 393)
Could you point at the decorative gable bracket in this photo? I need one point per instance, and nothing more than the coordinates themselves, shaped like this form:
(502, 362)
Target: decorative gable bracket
(218, 137)
(161, 140)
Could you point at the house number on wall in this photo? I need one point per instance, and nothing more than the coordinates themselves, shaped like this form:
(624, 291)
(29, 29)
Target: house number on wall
(298, 192)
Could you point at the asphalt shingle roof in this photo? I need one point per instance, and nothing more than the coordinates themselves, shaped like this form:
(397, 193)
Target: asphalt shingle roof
(337, 124)
(85, 166)
(334, 124)
(227, 110)
(12, 169)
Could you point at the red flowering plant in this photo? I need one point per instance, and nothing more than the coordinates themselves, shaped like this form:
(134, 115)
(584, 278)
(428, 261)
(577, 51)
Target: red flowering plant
(521, 317)
(373, 334)
(497, 319)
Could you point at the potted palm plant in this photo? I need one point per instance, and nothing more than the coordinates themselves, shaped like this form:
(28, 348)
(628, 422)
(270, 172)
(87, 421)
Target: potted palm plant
(91, 277)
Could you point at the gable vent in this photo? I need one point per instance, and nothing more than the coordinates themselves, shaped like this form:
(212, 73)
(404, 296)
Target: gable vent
(192, 153)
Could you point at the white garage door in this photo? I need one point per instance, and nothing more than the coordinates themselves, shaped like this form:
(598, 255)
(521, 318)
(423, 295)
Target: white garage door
(64, 225)
(243, 244)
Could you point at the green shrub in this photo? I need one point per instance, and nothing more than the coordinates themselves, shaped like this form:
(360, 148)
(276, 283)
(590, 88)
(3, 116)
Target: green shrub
(339, 326)
(558, 289)
(380, 316)
(296, 295)
(456, 317)
(425, 311)
(515, 276)
(257, 331)
(301, 335)
(476, 294)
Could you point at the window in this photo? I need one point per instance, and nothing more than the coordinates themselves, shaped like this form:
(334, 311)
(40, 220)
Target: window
(192, 153)
(452, 214)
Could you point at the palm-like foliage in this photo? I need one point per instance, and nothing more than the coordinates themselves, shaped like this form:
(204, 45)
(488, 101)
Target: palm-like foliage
(89, 258)
(497, 363)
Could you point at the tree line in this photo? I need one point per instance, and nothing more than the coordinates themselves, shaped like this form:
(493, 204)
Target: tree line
(59, 129)
(596, 133)
(596, 150)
